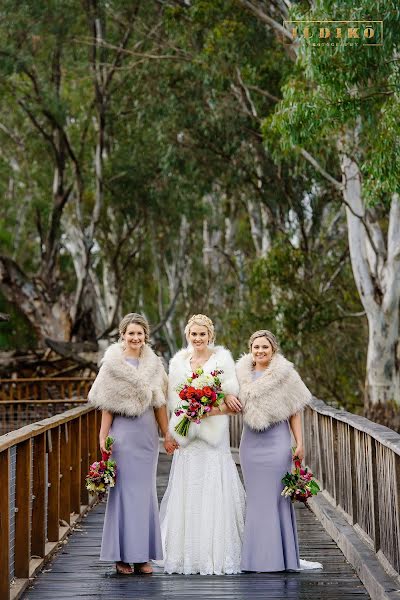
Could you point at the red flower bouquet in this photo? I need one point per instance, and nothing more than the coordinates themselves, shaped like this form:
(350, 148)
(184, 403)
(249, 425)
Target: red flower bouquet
(198, 394)
(299, 484)
(103, 473)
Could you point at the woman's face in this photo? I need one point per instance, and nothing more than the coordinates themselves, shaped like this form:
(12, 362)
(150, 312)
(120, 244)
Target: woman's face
(198, 336)
(261, 350)
(134, 336)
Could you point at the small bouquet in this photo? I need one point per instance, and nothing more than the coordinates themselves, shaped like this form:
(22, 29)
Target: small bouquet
(299, 484)
(103, 473)
(198, 394)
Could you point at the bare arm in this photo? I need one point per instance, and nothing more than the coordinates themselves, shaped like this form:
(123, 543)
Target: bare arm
(222, 409)
(106, 422)
(295, 425)
(162, 419)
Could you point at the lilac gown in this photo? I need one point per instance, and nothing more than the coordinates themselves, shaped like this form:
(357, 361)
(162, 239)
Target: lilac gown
(131, 530)
(270, 535)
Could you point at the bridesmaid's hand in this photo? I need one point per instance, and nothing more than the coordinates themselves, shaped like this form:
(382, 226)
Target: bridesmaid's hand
(233, 403)
(103, 445)
(170, 444)
(299, 453)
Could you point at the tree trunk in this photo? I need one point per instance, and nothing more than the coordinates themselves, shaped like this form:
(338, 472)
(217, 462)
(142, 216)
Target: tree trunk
(376, 267)
(47, 317)
(382, 381)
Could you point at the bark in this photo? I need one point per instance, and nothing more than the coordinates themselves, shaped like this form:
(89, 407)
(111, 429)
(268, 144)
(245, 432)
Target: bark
(47, 318)
(376, 268)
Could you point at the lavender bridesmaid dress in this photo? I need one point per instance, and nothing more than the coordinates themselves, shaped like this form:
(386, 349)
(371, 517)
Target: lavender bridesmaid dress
(270, 535)
(131, 530)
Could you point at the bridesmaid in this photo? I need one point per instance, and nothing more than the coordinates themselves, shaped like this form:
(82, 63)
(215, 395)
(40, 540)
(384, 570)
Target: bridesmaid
(272, 395)
(130, 390)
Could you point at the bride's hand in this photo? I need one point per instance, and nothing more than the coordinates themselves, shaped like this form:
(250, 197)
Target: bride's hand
(170, 444)
(233, 403)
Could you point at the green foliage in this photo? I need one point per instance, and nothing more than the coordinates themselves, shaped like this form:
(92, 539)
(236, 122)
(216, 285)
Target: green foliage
(334, 88)
(183, 140)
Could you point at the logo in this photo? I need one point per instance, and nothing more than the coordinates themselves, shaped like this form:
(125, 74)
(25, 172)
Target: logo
(336, 33)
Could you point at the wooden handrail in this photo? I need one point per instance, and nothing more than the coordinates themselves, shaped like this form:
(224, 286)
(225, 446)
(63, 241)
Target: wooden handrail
(70, 441)
(29, 431)
(358, 465)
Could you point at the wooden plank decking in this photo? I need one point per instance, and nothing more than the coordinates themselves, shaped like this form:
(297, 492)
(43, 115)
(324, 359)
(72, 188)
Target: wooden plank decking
(77, 573)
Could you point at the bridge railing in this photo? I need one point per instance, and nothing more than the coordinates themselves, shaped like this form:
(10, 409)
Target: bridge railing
(358, 464)
(27, 400)
(42, 490)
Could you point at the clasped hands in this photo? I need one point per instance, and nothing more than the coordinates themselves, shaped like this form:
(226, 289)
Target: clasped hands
(170, 444)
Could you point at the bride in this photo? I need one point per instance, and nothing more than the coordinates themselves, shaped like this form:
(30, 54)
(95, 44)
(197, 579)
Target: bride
(202, 512)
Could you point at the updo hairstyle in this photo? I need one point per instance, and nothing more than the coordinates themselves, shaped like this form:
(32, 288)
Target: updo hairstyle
(203, 321)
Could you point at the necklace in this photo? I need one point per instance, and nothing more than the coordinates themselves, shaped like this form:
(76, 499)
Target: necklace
(197, 363)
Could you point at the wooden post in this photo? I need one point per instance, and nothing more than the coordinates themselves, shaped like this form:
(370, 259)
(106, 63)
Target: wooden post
(65, 470)
(5, 524)
(38, 501)
(353, 467)
(75, 433)
(53, 511)
(84, 457)
(22, 504)
(334, 460)
(375, 494)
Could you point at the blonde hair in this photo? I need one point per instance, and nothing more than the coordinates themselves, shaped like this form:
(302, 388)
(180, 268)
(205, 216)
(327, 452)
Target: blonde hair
(138, 320)
(270, 337)
(203, 321)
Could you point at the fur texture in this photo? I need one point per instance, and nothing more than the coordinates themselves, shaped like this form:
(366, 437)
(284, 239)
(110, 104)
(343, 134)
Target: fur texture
(275, 396)
(211, 429)
(123, 389)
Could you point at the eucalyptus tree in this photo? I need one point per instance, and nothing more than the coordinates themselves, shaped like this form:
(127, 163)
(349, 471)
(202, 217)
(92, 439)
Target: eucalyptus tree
(340, 112)
(69, 76)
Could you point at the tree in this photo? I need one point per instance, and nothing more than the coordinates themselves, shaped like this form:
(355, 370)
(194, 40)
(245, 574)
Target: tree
(340, 112)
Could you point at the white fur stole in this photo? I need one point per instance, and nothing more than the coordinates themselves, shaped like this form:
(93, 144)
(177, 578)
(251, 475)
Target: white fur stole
(210, 429)
(124, 389)
(274, 396)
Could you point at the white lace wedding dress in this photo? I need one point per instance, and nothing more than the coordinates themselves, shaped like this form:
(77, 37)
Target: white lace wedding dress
(202, 512)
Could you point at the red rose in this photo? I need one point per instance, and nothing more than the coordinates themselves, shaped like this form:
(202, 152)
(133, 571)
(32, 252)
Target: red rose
(182, 394)
(207, 391)
(190, 392)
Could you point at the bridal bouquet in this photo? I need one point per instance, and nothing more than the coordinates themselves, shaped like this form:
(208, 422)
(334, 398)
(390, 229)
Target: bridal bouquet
(103, 473)
(299, 484)
(198, 394)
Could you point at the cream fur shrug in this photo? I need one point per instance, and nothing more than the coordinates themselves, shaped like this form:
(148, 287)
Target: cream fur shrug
(124, 389)
(275, 396)
(211, 429)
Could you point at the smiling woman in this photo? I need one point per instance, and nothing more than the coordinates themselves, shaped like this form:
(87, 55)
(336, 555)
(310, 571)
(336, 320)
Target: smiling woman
(273, 396)
(130, 390)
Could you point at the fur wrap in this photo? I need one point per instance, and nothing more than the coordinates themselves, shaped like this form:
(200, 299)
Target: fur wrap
(126, 390)
(274, 396)
(211, 429)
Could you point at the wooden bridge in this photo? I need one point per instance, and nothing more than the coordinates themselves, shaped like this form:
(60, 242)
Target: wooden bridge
(43, 499)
